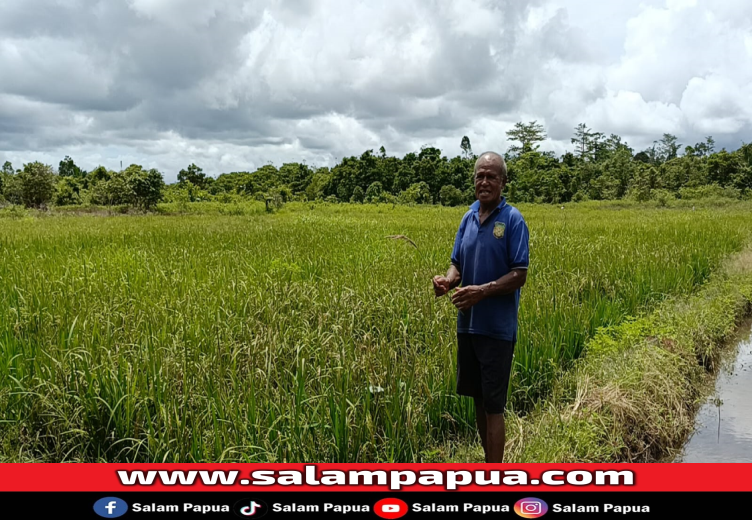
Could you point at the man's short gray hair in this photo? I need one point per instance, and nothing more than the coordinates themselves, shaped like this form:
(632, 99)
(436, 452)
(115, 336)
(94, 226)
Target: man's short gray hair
(496, 158)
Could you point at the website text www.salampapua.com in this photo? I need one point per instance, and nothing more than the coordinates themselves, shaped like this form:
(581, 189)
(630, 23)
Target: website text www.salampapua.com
(393, 479)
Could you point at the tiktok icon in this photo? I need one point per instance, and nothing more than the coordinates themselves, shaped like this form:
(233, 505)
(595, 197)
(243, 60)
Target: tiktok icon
(251, 508)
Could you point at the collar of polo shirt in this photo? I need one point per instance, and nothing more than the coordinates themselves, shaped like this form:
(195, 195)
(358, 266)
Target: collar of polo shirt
(476, 207)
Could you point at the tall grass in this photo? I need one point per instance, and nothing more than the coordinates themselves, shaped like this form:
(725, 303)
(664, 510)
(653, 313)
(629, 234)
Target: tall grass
(305, 335)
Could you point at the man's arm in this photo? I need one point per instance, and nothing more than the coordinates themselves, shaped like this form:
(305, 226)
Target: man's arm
(508, 283)
(444, 284)
(453, 276)
(466, 297)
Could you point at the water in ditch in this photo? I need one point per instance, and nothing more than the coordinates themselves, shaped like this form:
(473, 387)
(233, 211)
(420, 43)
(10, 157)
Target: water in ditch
(723, 427)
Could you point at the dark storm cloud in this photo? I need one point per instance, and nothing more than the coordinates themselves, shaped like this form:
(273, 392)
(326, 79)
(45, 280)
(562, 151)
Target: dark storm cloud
(99, 55)
(237, 83)
(123, 72)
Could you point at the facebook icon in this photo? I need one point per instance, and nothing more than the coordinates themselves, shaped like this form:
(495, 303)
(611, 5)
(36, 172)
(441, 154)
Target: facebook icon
(110, 507)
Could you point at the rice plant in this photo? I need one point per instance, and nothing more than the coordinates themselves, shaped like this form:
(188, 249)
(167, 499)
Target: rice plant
(303, 335)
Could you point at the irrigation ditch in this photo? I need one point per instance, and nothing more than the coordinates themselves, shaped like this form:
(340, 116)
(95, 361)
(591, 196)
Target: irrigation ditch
(723, 426)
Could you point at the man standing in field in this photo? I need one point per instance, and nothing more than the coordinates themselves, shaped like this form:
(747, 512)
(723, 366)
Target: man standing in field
(490, 261)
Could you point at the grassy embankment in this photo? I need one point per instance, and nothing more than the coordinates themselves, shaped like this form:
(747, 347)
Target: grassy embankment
(308, 336)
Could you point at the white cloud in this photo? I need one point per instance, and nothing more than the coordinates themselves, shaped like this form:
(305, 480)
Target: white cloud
(627, 113)
(179, 13)
(717, 105)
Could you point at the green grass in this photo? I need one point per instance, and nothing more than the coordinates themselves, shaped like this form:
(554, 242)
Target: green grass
(305, 335)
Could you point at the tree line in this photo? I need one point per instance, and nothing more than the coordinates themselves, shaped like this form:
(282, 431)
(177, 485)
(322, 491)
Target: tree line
(598, 167)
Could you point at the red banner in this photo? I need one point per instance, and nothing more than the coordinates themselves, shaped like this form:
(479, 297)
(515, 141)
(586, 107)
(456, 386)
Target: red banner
(375, 477)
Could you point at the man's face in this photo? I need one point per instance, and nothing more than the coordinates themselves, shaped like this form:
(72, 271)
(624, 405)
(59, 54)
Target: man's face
(488, 183)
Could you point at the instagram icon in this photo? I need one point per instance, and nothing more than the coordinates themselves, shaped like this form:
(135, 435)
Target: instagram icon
(530, 507)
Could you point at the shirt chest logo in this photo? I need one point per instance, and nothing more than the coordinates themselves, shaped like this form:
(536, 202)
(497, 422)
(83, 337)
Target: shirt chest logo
(499, 228)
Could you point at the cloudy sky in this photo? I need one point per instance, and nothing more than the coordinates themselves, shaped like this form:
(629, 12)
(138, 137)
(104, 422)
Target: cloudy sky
(233, 85)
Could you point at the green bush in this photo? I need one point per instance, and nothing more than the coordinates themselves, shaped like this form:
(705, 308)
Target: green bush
(228, 198)
(273, 200)
(710, 191)
(374, 191)
(112, 192)
(284, 192)
(580, 196)
(386, 198)
(12, 189)
(450, 196)
(146, 187)
(133, 186)
(418, 193)
(663, 197)
(66, 194)
(37, 184)
(358, 195)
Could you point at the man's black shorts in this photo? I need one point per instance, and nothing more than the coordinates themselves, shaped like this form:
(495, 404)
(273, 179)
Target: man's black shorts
(483, 368)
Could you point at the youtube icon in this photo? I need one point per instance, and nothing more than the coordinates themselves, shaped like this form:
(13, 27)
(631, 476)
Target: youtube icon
(390, 508)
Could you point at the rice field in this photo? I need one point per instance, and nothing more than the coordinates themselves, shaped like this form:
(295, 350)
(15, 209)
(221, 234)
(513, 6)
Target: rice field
(304, 335)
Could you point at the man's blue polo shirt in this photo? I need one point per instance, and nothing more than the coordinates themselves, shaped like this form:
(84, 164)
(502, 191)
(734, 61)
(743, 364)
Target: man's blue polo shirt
(484, 253)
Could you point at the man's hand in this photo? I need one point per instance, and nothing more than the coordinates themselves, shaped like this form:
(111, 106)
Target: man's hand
(441, 285)
(465, 297)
